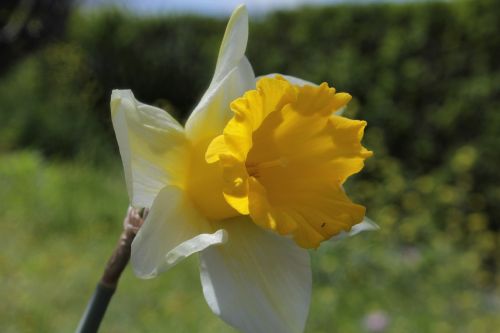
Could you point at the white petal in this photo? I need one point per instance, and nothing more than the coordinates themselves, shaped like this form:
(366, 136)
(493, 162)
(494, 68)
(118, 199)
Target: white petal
(234, 44)
(212, 113)
(365, 225)
(258, 282)
(173, 230)
(233, 76)
(152, 146)
(292, 79)
(341, 111)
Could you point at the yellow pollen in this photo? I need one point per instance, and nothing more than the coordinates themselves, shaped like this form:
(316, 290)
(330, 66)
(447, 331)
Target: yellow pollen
(238, 182)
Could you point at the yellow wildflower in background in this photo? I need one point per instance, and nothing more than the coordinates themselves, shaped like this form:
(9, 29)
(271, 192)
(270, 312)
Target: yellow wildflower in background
(251, 182)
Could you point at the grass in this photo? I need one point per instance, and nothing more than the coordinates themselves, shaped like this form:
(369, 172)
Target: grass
(60, 222)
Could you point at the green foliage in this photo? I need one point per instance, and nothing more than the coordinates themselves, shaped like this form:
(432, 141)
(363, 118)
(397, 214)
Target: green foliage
(60, 223)
(48, 103)
(62, 220)
(426, 77)
(158, 58)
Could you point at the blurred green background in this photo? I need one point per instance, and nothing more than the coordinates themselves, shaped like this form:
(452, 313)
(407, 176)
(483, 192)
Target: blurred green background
(426, 77)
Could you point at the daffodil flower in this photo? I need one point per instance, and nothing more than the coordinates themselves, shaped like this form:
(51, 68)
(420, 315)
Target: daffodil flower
(251, 182)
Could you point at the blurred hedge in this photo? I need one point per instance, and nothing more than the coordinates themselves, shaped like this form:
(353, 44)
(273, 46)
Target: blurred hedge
(426, 77)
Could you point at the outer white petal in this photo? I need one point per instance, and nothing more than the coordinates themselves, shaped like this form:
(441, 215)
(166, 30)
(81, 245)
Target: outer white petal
(212, 113)
(152, 146)
(234, 44)
(257, 282)
(173, 230)
(233, 76)
(292, 79)
(365, 225)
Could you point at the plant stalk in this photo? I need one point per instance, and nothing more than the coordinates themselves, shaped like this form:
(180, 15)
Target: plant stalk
(108, 283)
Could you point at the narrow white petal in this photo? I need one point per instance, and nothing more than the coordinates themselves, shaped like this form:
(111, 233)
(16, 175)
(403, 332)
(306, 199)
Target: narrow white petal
(152, 146)
(233, 76)
(341, 111)
(212, 113)
(233, 45)
(258, 282)
(173, 230)
(292, 79)
(365, 225)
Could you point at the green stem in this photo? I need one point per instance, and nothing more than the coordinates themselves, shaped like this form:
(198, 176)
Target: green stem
(96, 309)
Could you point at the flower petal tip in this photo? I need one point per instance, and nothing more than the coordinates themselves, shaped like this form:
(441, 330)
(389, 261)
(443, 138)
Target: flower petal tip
(365, 225)
(240, 9)
(118, 97)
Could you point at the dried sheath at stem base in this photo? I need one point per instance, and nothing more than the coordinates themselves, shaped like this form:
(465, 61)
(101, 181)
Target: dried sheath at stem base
(106, 287)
